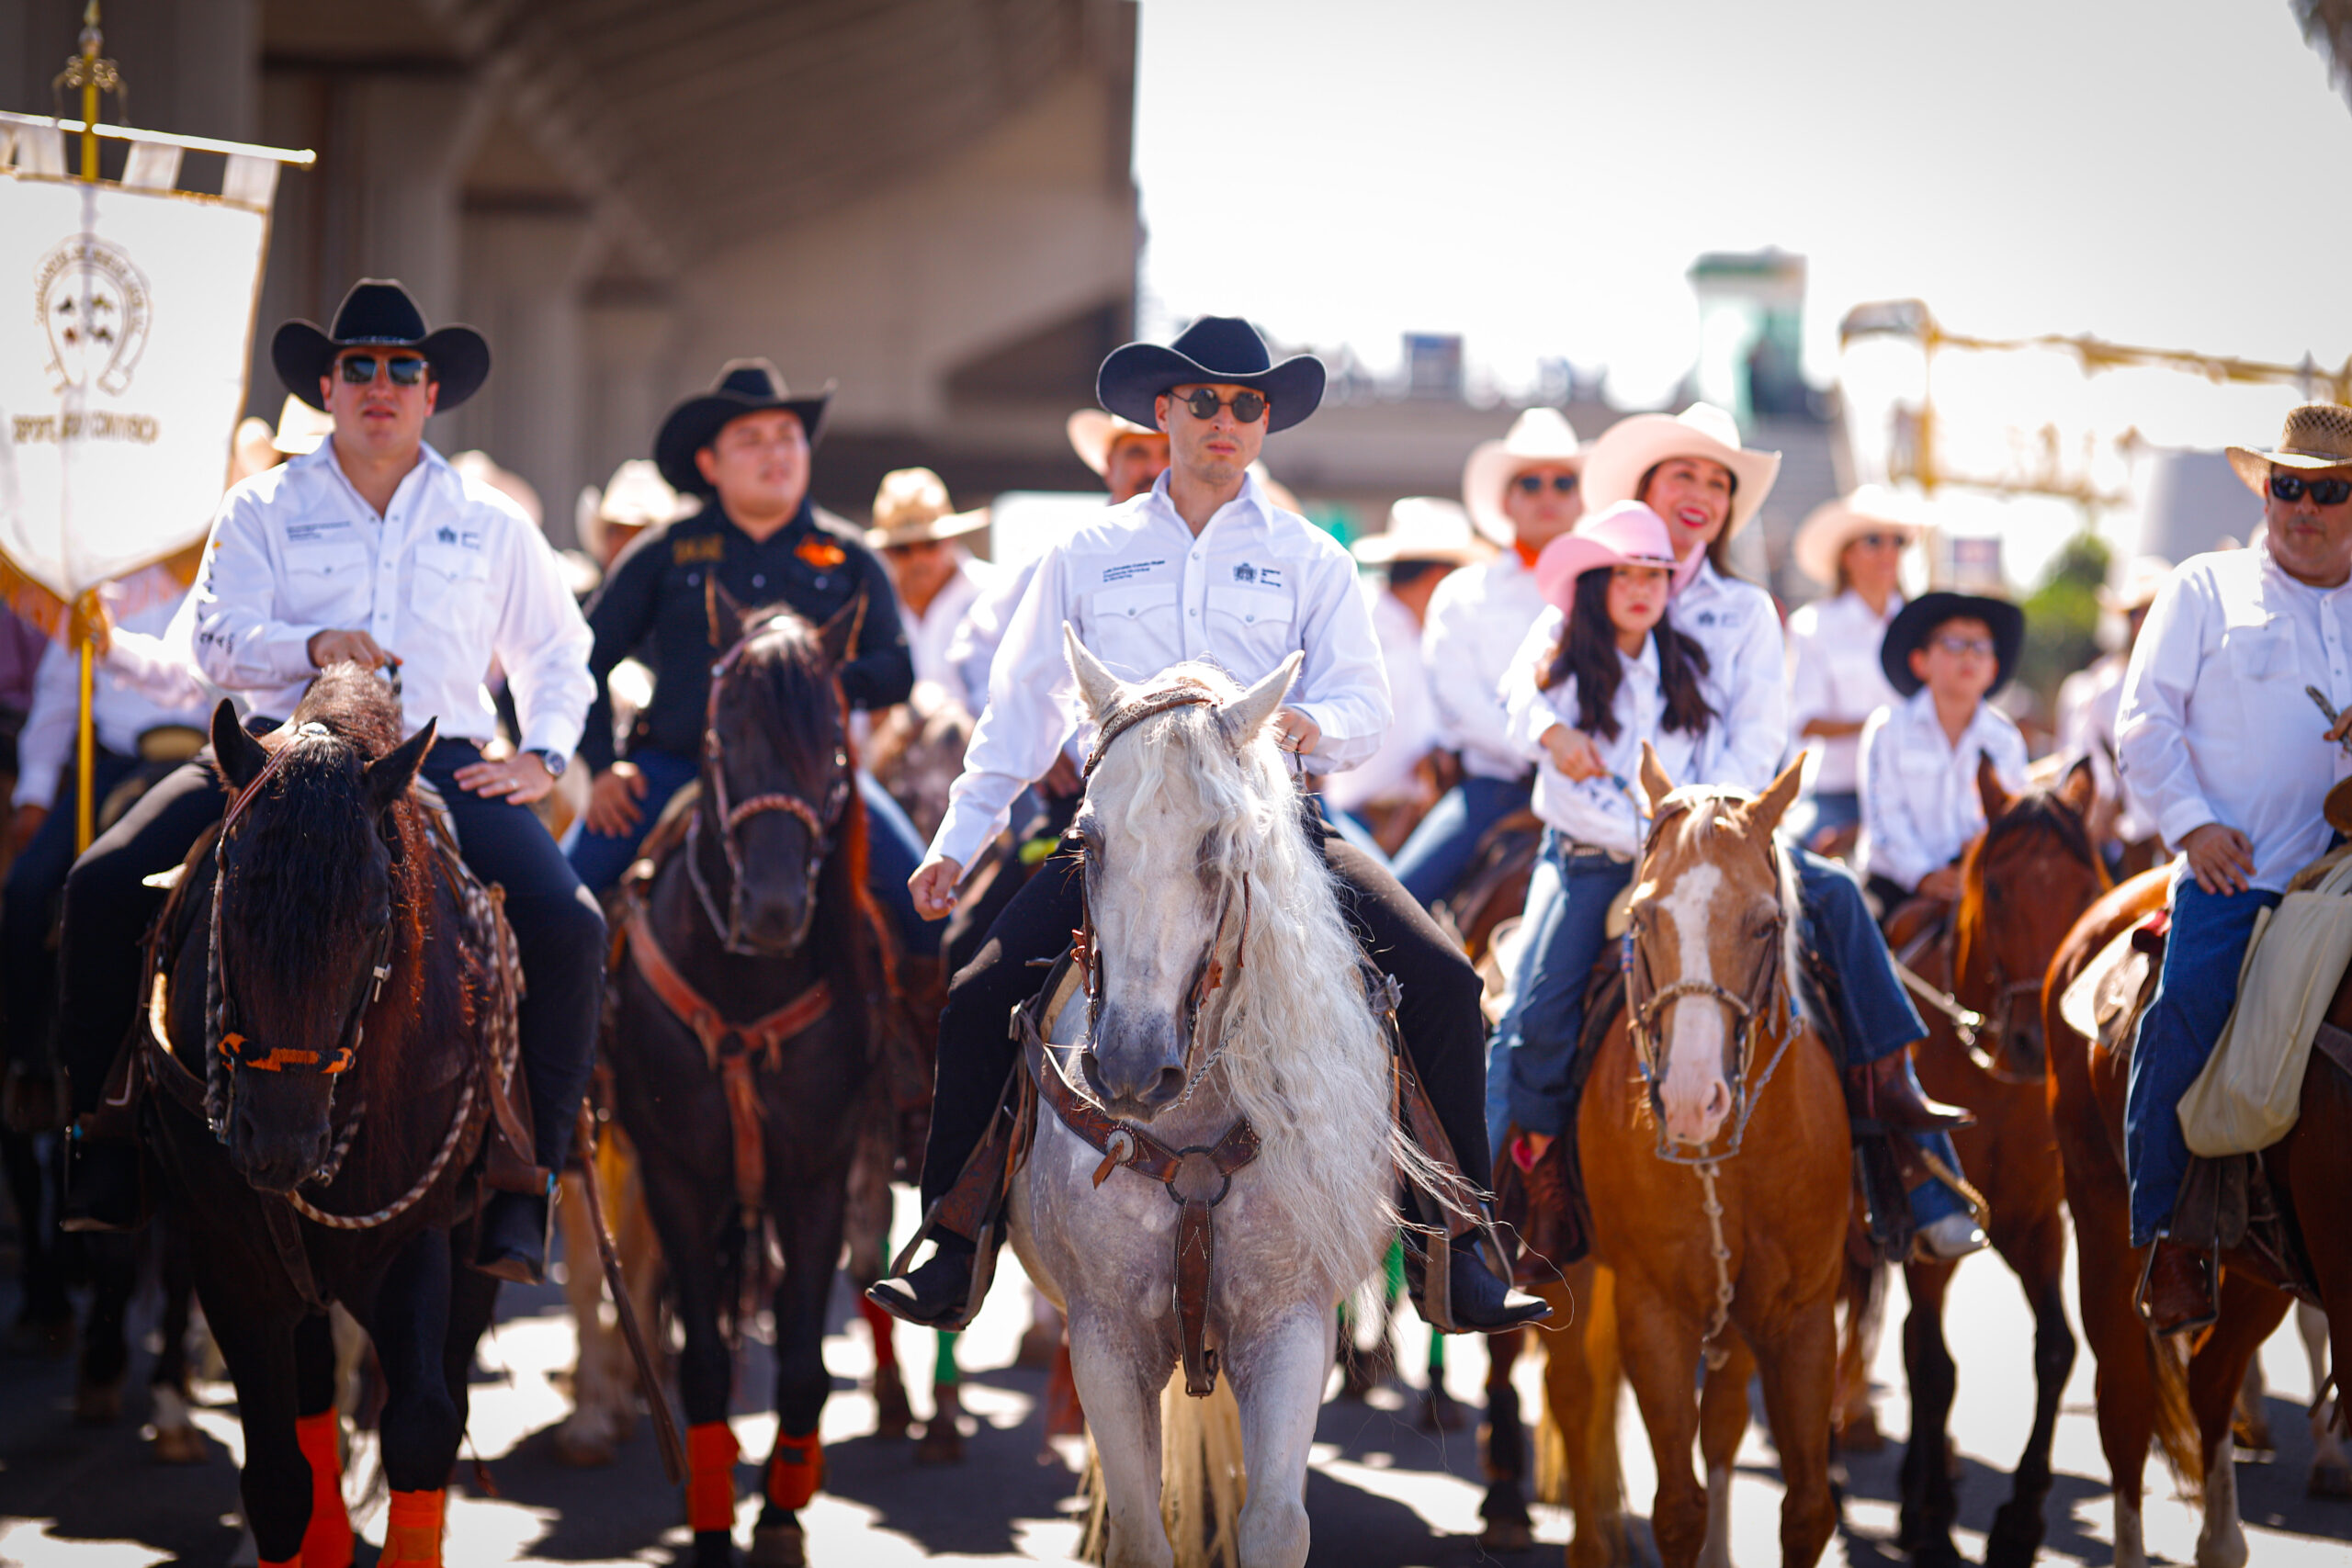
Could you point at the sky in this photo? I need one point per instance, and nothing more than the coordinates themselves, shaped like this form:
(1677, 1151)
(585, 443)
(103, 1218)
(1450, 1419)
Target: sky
(1538, 177)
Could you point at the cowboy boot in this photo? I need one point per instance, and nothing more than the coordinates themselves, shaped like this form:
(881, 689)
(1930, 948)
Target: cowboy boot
(1886, 1092)
(513, 1243)
(2176, 1288)
(934, 1295)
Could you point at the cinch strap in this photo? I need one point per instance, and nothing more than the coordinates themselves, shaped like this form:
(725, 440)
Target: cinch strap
(711, 1453)
(796, 1469)
(413, 1536)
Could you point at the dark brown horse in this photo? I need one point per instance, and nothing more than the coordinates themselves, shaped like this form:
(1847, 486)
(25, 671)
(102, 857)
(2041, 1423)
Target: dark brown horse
(330, 1002)
(2024, 879)
(744, 1018)
(2144, 1392)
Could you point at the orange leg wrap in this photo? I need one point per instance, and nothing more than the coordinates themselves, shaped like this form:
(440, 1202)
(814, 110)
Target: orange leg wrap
(795, 1470)
(413, 1536)
(327, 1543)
(711, 1453)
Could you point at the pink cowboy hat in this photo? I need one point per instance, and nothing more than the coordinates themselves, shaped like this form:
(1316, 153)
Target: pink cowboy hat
(1628, 534)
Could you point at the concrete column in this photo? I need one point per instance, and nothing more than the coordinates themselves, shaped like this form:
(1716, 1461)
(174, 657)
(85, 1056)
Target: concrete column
(632, 374)
(401, 142)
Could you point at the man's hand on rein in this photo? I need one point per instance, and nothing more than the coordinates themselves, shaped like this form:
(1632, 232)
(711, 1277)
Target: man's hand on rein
(1293, 731)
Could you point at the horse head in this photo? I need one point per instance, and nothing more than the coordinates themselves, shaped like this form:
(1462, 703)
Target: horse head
(1712, 909)
(1169, 813)
(310, 860)
(777, 796)
(2024, 881)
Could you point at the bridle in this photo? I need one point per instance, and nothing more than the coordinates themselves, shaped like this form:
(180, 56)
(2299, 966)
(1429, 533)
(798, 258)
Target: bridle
(820, 821)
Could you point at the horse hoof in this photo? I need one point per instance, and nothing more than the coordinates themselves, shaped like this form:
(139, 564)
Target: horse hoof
(1861, 1435)
(1439, 1412)
(777, 1546)
(1508, 1535)
(178, 1445)
(893, 1418)
(713, 1549)
(2329, 1481)
(580, 1451)
(2252, 1435)
(98, 1405)
(2016, 1538)
(942, 1442)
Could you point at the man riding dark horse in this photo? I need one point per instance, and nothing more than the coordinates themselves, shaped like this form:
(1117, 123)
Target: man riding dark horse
(372, 550)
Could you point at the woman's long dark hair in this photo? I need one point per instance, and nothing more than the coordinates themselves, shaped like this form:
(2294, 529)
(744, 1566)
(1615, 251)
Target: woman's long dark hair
(1587, 651)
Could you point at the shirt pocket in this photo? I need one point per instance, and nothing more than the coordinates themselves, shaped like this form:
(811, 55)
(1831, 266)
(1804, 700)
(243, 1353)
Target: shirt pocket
(328, 584)
(1250, 630)
(451, 588)
(2259, 651)
(1132, 627)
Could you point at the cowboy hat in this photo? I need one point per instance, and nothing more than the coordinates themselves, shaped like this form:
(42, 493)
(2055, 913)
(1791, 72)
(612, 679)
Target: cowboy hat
(378, 311)
(2142, 580)
(1093, 433)
(1913, 623)
(744, 386)
(2318, 435)
(635, 498)
(1421, 528)
(911, 508)
(1628, 534)
(1538, 438)
(300, 428)
(1614, 464)
(1826, 531)
(1220, 350)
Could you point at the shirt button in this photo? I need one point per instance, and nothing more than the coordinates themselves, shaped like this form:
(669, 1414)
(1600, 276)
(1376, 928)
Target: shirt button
(759, 581)
(1191, 611)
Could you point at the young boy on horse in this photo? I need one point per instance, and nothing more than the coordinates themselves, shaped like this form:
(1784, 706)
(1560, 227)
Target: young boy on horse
(1201, 566)
(372, 550)
(744, 447)
(1945, 654)
(2219, 739)
(1692, 471)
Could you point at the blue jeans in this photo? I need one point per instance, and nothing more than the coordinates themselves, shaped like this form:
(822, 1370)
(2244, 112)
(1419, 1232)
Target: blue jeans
(1564, 922)
(1430, 861)
(1824, 809)
(2195, 991)
(598, 859)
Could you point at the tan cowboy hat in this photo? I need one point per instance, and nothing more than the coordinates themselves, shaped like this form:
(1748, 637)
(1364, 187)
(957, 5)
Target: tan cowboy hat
(1093, 431)
(1539, 435)
(636, 497)
(1421, 527)
(911, 507)
(2142, 580)
(1614, 464)
(1823, 537)
(300, 428)
(2318, 435)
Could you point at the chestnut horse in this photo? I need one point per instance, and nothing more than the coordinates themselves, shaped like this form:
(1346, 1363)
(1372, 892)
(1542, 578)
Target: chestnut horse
(1718, 1165)
(2141, 1390)
(2024, 880)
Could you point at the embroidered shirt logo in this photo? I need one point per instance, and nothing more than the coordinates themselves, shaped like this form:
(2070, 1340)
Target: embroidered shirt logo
(1262, 576)
(1244, 573)
(447, 534)
(687, 552)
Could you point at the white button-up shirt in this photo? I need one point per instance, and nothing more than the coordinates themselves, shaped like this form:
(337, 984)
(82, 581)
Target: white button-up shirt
(1920, 803)
(1387, 773)
(1477, 617)
(929, 634)
(1735, 624)
(2215, 724)
(1834, 674)
(1595, 812)
(452, 578)
(2090, 701)
(1143, 592)
(132, 692)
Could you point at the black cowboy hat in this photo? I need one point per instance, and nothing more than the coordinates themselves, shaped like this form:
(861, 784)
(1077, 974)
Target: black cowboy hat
(1924, 615)
(378, 311)
(744, 386)
(1225, 350)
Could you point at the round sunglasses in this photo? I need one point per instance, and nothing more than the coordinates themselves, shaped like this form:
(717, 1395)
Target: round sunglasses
(1247, 408)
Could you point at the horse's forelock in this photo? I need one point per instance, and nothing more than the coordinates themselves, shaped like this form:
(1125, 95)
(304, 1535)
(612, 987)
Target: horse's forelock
(304, 857)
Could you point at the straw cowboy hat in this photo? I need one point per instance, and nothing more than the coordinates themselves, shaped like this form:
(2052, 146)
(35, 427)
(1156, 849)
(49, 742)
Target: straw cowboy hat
(1538, 436)
(1614, 464)
(1915, 620)
(1421, 527)
(1823, 537)
(636, 498)
(378, 312)
(744, 386)
(2142, 580)
(301, 429)
(911, 508)
(1222, 350)
(2318, 435)
(1628, 534)
(1093, 433)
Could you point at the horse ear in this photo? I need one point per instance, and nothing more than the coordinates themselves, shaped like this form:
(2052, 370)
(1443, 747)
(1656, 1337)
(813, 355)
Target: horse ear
(1997, 799)
(1774, 803)
(1655, 785)
(838, 637)
(389, 775)
(1243, 716)
(239, 756)
(1095, 682)
(2078, 791)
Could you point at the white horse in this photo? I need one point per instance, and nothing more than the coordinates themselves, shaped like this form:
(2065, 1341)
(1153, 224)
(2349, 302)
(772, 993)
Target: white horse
(1197, 857)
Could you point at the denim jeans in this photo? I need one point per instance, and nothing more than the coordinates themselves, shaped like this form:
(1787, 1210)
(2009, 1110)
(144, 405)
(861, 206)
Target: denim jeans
(2195, 991)
(598, 859)
(1824, 809)
(1430, 861)
(1564, 922)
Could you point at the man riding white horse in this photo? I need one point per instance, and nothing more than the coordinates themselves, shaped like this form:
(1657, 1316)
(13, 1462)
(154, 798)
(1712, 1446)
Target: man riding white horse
(1201, 567)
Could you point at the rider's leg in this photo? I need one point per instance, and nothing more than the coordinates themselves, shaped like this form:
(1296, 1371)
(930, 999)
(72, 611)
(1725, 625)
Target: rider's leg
(598, 859)
(1566, 925)
(1434, 858)
(559, 937)
(893, 850)
(28, 970)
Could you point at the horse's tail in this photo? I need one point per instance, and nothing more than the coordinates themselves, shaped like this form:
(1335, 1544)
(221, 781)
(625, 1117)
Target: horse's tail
(2177, 1429)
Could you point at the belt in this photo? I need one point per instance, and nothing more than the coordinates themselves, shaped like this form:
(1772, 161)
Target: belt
(1569, 849)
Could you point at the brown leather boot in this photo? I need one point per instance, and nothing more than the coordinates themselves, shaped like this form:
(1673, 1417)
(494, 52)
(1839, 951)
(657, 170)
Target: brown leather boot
(1886, 1092)
(2176, 1288)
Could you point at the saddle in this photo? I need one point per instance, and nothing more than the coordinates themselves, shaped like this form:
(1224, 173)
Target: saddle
(1505, 856)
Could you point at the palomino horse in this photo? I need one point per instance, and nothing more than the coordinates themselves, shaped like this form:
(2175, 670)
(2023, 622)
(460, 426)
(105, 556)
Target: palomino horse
(739, 1032)
(1227, 988)
(2025, 879)
(1717, 1164)
(335, 1012)
(2143, 1392)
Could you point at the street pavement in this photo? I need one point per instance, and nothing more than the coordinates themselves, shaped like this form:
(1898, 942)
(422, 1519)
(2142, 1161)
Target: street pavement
(1382, 1490)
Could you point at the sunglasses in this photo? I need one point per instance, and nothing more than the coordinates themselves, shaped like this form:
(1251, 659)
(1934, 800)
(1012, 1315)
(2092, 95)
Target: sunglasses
(1532, 484)
(405, 370)
(2324, 492)
(1249, 407)
(1878, 541)
(1962, 647)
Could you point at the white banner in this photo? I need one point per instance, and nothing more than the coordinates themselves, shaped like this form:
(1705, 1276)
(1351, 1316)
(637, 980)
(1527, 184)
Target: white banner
(125, 317)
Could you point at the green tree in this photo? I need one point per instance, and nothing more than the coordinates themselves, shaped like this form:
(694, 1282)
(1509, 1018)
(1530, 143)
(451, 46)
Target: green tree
(2062, 617)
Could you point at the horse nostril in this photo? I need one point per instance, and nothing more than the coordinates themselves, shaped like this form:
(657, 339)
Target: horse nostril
(1170, 1085)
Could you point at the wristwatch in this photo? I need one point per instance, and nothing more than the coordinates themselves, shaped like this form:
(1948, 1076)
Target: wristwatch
(553, 762)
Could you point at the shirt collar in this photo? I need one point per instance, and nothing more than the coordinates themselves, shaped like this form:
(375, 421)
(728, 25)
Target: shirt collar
(800, 520)
(430, 465)
(1249, 501)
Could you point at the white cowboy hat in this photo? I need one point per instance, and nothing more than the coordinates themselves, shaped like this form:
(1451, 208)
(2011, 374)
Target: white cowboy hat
(1539, 435)
(1834, 524)
(637, 496)
(300, 428)
(1421, 527)
(1093, 432)
(2318, 435)
(2142, 579)
(1614, 464)
(910, 507)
